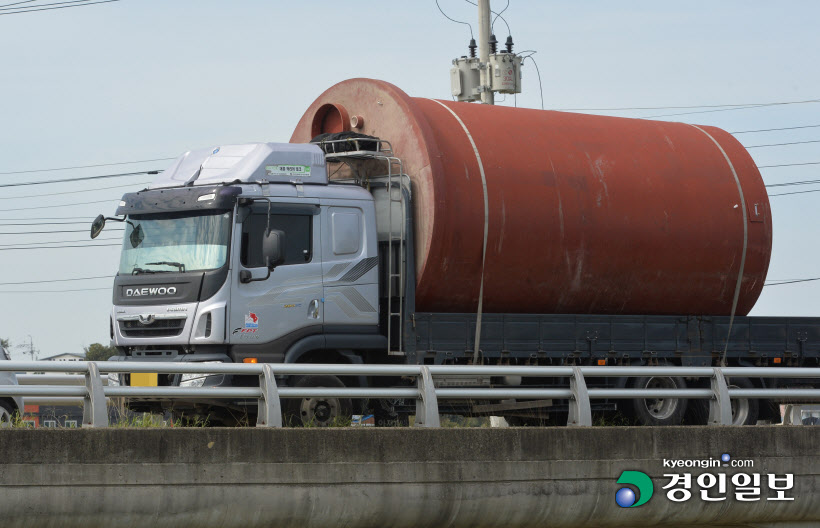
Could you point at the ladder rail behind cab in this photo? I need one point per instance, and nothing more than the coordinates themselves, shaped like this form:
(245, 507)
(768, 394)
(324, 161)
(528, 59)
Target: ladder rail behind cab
(392, 192)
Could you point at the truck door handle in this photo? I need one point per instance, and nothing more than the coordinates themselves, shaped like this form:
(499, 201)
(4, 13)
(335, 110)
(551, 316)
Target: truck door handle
(313, 309)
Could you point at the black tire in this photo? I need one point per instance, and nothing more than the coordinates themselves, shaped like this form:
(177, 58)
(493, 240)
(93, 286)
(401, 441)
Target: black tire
(658, 411)
(745, 411)
(385, 414)
(7, 412)
(316, 412)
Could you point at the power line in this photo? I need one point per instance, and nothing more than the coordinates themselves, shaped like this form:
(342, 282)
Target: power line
(47, 218)
(497, 15)
(682, 107)
(790, 282)
(74, 192)
(6, 8)
(44, 223)
(16, 3)
(56, 241)
(794, 192)
(59, 247)
(454, 20)
(86, 166)
(788, 165)
(736, 107)
(54, 291)
(87, 231)
(30, 10)
(57, 280)
(539, 78)
(805, 182)
(774, 129)
(782, 144)
(85, 178)
(58, 205)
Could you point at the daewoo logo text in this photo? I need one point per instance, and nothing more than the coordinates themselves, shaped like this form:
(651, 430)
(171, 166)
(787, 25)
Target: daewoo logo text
(153, 290)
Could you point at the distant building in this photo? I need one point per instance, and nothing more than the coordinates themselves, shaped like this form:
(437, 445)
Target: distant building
(68, 356)
(55, 415)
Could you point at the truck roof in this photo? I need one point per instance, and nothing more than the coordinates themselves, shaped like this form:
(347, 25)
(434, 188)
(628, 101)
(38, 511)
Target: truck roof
(248, 163)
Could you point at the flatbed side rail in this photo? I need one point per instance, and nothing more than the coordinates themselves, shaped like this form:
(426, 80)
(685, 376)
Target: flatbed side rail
(94, 392)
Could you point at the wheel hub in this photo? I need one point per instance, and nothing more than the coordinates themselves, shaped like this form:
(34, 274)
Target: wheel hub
(661, 408)
(319, 411)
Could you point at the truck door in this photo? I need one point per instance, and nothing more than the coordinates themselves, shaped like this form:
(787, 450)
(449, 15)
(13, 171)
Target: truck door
(350, 262)
(274, 312)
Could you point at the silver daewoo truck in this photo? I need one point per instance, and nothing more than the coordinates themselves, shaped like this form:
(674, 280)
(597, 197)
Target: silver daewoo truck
(247, 253)
(395, 229)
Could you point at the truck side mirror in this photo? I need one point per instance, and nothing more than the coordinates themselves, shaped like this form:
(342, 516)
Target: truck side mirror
(97, 226)
(273, 248)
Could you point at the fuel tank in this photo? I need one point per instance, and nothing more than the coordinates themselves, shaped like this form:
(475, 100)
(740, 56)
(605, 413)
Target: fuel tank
(583, 214)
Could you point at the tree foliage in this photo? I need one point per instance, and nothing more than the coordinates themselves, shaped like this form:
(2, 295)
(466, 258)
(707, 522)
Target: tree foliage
(98, 352)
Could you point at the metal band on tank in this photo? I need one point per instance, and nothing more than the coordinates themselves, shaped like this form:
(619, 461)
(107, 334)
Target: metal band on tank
(745, 240)
(486, 227)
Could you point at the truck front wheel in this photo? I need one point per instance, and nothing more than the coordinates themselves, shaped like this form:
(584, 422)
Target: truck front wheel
(6, 414)
(317, 412)
(658, 411)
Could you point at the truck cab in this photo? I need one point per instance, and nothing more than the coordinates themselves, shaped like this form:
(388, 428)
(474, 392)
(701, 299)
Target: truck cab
(247, 253)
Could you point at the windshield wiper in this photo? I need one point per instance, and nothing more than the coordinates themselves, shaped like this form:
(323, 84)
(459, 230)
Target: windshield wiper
(138, 271)
(167, 263)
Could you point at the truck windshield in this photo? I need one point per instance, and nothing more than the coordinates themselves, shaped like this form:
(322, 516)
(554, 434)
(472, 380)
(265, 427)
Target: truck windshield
(175, 242)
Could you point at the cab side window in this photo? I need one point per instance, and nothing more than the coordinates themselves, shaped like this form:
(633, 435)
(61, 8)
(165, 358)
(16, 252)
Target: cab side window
(298, 236)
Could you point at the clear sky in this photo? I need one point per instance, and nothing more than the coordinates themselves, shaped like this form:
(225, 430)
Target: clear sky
(147, 79)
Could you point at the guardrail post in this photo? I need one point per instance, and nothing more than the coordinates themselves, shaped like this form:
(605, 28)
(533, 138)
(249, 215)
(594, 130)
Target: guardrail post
(793, 415)
(580, 411)
(426, 401)
(720, 406)
(95, 411)
(269, 412)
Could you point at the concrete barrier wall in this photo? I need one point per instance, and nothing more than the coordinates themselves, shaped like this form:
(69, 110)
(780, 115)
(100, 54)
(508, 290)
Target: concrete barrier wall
(365, 477)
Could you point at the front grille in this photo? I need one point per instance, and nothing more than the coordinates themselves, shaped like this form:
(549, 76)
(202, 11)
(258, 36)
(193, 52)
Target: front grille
(159, 328)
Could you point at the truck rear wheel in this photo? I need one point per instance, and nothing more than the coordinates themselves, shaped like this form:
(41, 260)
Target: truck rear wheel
(745, 411)
(317, 412)
(658, 411)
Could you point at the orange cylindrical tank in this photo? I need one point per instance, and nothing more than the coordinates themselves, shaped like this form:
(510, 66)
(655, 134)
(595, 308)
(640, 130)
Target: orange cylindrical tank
(586, 214)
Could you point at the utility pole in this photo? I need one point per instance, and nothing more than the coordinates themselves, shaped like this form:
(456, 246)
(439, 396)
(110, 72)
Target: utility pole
(487, 96)
(474, 79)
(31, 347)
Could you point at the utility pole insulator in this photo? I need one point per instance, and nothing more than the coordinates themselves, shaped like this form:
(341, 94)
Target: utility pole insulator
(478, 78)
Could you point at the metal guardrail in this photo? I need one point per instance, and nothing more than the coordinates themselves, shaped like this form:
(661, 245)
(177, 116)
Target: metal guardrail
(425, 393)
(54, 379)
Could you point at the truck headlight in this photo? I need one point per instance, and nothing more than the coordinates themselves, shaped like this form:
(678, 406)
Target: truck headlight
(197, 380)
(113, 379)
(192, 380)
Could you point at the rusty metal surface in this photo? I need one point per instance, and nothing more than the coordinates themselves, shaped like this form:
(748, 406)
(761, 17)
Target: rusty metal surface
(587, 214)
